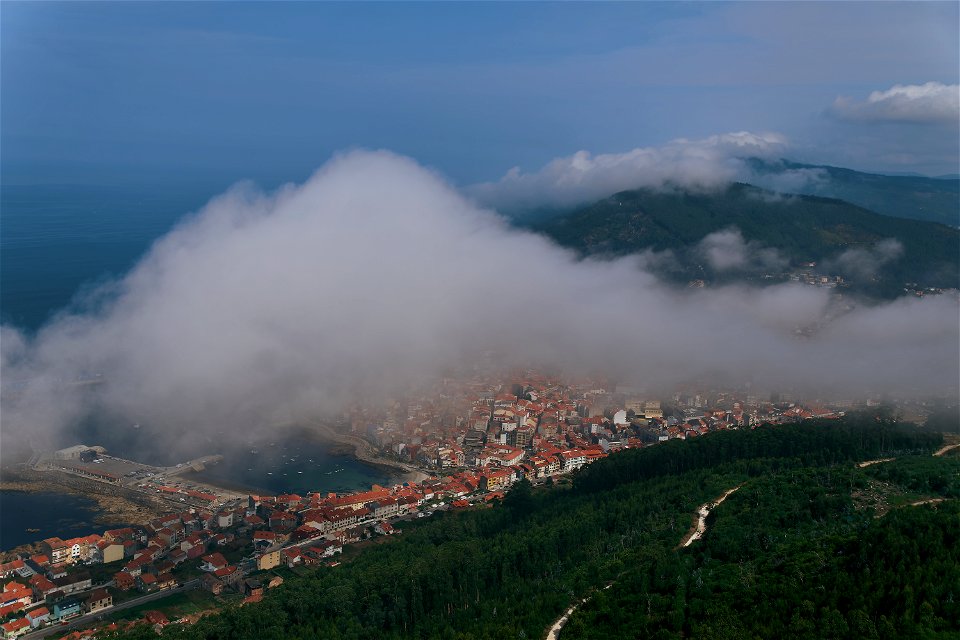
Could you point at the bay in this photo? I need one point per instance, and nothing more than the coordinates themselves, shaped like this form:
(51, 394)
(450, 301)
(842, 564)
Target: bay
(59, 240)
(53, 514)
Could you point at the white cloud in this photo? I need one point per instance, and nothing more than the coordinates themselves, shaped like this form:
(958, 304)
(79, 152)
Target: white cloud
(930, 103)
(375, 275)
(701, 164)
(727, 251)
(864, 263)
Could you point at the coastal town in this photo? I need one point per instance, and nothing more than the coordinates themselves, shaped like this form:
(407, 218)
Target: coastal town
(470, 439)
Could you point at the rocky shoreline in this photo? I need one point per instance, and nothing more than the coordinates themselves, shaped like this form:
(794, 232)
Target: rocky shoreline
(111, 508)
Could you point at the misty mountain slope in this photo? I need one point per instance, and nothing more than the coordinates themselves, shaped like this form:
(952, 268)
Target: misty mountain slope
(800, 228)
(913, 197)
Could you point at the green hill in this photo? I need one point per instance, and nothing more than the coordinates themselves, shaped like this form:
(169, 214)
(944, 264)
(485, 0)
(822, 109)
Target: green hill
(801, 228)
(913, 197)
(511, 570)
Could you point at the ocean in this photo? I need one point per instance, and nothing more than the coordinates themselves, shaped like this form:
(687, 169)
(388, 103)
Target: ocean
(55, 241)
(52, 514)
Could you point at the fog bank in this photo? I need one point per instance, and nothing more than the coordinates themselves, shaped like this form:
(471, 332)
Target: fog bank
(376, 274)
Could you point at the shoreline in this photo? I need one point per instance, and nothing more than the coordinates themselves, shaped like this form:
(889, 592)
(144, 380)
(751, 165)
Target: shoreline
(119, 506)
(363, 451)
(111, 509)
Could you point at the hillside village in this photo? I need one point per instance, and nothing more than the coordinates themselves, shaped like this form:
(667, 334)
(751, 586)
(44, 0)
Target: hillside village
(476, 439)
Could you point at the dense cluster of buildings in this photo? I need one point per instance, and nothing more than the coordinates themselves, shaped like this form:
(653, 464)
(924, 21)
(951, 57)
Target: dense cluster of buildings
(476, 438)
(538, 426)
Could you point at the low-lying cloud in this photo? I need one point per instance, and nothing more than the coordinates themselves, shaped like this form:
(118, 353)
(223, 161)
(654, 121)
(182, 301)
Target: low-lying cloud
(726, 251)
(930, 103)
(375, 274)
(863, 263)
(691, 164)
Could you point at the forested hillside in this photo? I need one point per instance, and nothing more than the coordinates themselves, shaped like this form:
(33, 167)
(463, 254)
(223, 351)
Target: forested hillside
(511, 570)
(800, 228)
(818, 552)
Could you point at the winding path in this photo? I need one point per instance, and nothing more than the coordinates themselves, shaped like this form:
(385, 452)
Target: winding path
(554, 631)
(943, 450)
(696, 532)
(868, 463)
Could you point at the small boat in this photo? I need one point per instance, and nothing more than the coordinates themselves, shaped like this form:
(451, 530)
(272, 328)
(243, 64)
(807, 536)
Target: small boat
(299, 471)
(31, 530)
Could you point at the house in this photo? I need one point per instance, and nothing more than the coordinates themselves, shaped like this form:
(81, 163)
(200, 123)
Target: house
(56, 549)
(157, 619)
(221, 539)
(264, 540)
(281, 520)
(119, 535)
(124, 581)
(384, 508)
(253, 521)
(210, 582)
(384, 528)
(252, 587)
(147, 582)
(16, 628)
(21, 568)
(213, 562)
(306, 531)
(292, 556)
(496, 479)
(97, 600)
(110, 551)
(72, 584)
(8, 569)
(166, 581)
(268, 560)
(229, 575)
(136, 566)
(67, 608)
(38, 617)
(167, 536)
(14, 592)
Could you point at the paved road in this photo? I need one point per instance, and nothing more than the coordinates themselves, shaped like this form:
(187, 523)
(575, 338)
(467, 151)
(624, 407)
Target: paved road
(62, 629)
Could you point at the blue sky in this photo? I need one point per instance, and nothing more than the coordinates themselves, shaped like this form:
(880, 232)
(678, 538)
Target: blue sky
(168, 92)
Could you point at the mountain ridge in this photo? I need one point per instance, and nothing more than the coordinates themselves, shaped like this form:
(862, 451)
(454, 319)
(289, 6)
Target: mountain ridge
(915, 197)
(800, 228)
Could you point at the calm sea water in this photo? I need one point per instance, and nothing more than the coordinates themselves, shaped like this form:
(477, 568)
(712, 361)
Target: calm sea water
(54, 514)
(57, 240)
(54, 240)
(292, 465)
